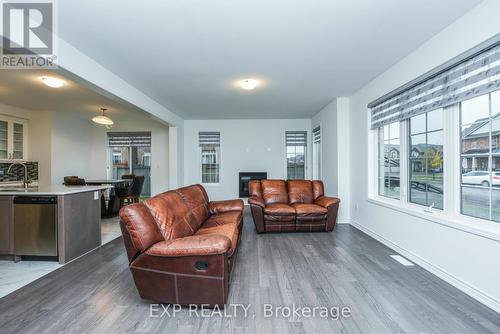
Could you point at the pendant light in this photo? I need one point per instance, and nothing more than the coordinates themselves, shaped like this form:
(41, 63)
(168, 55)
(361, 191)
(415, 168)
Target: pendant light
(103, 119)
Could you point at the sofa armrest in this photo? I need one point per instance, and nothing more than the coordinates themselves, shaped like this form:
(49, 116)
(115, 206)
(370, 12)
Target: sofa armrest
(325, 201)
(193, 245)
(254, 200)
(225, 206)
(257, 206)
(332, 204)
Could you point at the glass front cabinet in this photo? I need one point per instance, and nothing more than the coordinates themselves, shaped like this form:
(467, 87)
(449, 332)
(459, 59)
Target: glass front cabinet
(13, 139)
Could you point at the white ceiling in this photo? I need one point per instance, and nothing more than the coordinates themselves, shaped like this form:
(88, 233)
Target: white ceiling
(24, 89)
(188, 54)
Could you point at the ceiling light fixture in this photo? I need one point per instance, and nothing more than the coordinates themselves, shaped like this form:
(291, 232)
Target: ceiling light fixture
(248, 84)
(103, 119)
(53, 82)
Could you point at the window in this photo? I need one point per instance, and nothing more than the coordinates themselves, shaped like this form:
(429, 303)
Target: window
(447, 124)
(419, 176)
(316, 153)
(389, 160)
(209, 156)
(426, 159)
(480, 156)
(296, 144)
(130, 153)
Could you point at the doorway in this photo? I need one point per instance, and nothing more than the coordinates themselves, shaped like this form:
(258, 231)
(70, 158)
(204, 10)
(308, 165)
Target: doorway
(130, 153)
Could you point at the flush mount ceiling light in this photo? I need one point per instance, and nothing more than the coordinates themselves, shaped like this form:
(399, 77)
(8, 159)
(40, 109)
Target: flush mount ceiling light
(53, 82)
(248, 84)
(103, 119)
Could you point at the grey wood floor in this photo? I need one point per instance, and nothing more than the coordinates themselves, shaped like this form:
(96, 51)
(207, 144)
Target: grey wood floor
(346, 268)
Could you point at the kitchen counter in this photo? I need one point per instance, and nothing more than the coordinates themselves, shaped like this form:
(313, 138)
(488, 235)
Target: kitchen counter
(54, 190)
(71, 224)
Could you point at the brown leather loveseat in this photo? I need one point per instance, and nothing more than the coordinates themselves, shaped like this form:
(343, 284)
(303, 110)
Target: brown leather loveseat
(293, 205)
(181, 247)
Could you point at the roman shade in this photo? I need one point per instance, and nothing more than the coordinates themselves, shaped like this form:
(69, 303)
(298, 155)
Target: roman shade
(474, 73)
(296, 138)
(209, 138)
(316, 135)
(125, 139)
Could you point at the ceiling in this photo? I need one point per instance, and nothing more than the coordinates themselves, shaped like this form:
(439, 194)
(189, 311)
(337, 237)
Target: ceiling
(187, 55)
(24, 89)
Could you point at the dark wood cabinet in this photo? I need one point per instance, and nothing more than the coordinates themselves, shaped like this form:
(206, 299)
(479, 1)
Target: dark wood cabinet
(78, 218)
(6, 224)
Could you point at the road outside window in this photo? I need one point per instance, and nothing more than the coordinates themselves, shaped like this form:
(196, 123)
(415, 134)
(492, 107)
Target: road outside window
(480, 156)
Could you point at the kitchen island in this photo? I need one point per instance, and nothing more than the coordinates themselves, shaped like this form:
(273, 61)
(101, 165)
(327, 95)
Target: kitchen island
(57, 221)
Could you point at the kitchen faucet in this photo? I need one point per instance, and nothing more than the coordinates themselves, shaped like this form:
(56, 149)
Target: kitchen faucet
(26, 182)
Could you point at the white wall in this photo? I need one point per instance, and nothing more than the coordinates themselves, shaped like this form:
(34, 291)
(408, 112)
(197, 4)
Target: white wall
(334, 120)
(468, 261)
(77, 65)
(39, 144)
(159, 151)
(344, 150)
(79, 147)
(326, 118)
(65, 143)
(246, 146)
(71, 147)
(174, 155)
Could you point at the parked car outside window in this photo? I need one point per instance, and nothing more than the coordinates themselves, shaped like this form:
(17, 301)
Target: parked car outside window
(481, 178)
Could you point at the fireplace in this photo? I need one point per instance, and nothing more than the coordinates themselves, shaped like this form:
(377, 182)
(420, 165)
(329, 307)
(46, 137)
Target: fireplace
(247, 176)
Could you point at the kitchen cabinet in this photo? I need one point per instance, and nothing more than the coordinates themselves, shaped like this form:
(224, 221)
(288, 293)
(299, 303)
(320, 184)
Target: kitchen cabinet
(6, 224)
(25, 221)
(13, 139)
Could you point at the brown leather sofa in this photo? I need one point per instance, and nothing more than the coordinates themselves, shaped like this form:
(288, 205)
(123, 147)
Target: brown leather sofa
(293, 205)
(181, 247)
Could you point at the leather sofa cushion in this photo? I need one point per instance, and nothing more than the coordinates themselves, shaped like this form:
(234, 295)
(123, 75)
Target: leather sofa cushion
(327, 201)
(172, 216)
(258, 201)
(231, 217)
(274, 191)
(273, 218)
(195, 200)
(254, 188)
(312, 219)
(215, 207)
(278, 209)
(141, 226)
(318, 189)
(193, 245)
(304, 210)
(227, 230)
(300, 191)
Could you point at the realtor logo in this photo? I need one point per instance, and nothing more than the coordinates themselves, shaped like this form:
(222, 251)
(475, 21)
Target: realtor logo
(27, 35)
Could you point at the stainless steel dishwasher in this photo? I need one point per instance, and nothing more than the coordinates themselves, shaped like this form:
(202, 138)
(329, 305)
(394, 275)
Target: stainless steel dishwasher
(35, 225)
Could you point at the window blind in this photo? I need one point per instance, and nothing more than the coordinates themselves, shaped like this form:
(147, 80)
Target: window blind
(316, 135)
(296, 138)
(209, 138)
(125, 139)
(473, 75)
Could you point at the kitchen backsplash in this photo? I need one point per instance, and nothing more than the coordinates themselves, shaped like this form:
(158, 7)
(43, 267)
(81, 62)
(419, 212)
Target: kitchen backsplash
(17, 172)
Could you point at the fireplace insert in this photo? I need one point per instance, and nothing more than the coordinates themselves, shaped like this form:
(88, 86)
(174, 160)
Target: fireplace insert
(244, 177)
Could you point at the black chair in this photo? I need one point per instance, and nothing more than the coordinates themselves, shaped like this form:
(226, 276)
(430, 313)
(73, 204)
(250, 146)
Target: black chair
(131, 192)
(137, 185)
(74, 181)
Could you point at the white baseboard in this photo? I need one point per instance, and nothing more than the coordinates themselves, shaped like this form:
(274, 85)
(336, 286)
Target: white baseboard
(463, 286)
